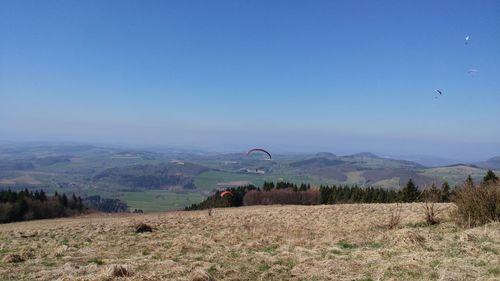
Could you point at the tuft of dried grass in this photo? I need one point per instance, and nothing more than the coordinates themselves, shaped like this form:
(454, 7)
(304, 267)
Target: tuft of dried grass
(13, 258)
(28, 253)
(59, 251)
(119, 271)
(200, 275)
(142, 227)
(413, 237)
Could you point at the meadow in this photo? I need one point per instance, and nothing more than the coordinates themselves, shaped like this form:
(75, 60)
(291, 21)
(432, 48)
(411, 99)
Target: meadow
(325, 242)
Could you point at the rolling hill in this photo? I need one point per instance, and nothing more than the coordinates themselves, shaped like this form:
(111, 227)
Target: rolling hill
(159, 176)
(176, 178)
(492, 163)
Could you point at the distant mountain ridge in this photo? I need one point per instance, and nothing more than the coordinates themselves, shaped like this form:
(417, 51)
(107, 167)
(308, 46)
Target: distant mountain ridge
(492, 163)
(429, 161)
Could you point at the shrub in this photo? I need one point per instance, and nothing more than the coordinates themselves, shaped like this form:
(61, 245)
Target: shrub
(431, 213)
(431, 195)
(395, 218)
(477, 205)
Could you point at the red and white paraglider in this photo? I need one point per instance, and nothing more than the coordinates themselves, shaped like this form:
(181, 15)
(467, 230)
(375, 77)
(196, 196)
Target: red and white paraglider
(226, 193)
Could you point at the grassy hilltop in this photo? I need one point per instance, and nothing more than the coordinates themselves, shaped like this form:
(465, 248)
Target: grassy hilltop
(328, 242)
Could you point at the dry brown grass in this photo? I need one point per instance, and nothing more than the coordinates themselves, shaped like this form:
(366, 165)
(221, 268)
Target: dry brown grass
(332, 242)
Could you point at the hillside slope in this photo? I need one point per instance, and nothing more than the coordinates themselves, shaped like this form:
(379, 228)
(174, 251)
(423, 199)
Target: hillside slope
(492, 163)
(339, 242)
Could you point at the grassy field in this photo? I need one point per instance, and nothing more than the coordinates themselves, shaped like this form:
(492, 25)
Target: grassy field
(159, 200)
(455, 175)
(210, 180)
(332, 242)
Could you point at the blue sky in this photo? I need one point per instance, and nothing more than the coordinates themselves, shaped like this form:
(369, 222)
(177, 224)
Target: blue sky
(341, 76)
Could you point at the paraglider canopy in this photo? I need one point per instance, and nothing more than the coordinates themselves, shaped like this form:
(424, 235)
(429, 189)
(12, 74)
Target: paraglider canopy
(473, 71)
(261, 150)
(225, 193)
(439, 92)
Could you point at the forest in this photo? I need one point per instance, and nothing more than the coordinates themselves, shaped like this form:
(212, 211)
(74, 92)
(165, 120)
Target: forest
(32, 205)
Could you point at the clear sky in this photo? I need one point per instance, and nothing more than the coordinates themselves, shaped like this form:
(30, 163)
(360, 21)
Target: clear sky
(339, 76)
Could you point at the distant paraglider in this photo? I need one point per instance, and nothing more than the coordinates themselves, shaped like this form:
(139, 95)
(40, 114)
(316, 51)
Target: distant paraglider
(226, 193)
(473, 71)
(438, 93)
(260, 150)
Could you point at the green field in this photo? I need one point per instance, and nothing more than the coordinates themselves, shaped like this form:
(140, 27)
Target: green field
(209, 180)
(455, 175)
(159, 200)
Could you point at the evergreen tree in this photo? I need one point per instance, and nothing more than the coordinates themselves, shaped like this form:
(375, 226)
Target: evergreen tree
(64, 200)
(410, 192)
(73, 202)
(80, 204)
(469, 182)
(433, 194)
(43, 196)
(22, 208)
(268, 186)
(36, 195)
(490, 177)
(445, 192)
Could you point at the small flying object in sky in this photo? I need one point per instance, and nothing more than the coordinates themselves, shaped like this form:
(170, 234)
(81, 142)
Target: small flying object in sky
(438, 93)
(467, 39)
(260, 150)
(473, 71)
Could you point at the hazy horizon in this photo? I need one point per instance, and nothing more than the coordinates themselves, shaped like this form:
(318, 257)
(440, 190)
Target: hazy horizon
(227, 75)
(435, 159)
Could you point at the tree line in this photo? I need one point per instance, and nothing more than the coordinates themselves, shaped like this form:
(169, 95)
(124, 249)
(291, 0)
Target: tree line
(107, 205)
(289, 193)
(30, 205)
